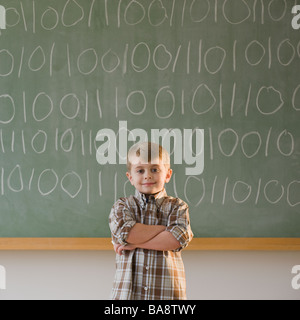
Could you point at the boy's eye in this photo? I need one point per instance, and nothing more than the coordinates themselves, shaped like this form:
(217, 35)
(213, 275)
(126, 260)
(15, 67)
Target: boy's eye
(154, 170)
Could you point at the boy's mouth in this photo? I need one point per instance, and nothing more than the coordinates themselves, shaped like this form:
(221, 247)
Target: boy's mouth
(148, 184)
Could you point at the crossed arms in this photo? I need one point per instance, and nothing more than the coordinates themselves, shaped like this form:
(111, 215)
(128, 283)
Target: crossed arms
(149, 237)
(128, 234)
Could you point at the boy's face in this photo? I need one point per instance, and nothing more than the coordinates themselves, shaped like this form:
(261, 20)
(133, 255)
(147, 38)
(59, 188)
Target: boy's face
(149, 178)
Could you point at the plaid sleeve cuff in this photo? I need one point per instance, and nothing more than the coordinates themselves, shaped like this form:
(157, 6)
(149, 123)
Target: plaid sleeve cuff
(181, 234)
(121, 221)
(123, 234)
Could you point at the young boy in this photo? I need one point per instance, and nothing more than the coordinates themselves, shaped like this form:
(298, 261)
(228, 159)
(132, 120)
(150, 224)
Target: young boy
(149, 230)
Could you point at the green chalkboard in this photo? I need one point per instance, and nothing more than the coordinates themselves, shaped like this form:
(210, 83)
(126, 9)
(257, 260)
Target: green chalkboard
(69, 68)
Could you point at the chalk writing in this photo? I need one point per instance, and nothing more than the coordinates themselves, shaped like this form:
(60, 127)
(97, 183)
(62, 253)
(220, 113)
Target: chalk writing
(72, 68)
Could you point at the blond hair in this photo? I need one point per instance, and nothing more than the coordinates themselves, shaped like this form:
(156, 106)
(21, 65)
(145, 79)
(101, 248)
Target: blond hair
(148, 152)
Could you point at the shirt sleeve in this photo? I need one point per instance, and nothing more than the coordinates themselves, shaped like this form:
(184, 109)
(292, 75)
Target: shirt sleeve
(121, 221)
(179, 224)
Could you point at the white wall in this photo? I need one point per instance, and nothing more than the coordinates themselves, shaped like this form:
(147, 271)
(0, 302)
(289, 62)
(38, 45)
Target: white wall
(88, 275)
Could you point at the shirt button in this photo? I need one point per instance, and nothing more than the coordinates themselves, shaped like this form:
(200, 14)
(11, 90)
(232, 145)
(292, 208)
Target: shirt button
(147, 268)
(145, 288)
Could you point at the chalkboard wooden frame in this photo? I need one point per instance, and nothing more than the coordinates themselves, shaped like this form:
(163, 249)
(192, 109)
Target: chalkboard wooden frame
(201, 244)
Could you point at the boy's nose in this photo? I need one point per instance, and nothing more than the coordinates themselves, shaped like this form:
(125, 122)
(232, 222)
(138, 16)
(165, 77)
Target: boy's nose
(148, 175)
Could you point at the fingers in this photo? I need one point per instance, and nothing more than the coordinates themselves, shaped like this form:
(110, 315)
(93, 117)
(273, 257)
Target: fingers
(120, 250)
(116, 247)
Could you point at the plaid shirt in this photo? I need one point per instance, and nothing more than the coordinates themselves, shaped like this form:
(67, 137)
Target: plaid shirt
(149, 274)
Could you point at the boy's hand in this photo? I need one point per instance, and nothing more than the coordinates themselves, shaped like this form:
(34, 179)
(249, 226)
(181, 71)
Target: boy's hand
(116, 247)
(119, 248)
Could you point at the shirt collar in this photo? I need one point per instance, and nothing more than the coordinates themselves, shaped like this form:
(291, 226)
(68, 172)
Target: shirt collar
(158, 198)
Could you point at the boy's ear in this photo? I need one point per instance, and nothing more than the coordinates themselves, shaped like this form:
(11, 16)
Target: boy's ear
(169, 175)
(129, 177)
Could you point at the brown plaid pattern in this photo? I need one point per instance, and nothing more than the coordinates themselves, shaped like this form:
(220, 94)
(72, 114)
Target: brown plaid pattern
(148, 274)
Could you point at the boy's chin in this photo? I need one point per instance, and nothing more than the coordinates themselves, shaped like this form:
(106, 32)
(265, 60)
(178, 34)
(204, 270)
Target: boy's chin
(150, 191)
